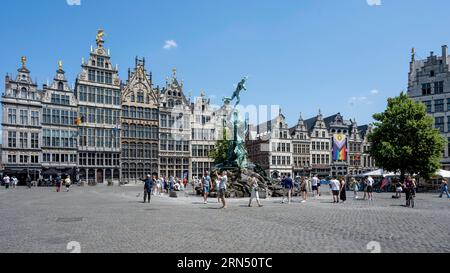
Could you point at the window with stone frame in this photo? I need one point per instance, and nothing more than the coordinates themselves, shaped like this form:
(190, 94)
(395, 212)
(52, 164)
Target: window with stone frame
(12, 116)
(439, 124)
(439, 105)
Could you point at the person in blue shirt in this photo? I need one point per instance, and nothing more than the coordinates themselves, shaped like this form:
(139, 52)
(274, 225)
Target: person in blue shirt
(288, 185)
(148, 187)
(444, 188)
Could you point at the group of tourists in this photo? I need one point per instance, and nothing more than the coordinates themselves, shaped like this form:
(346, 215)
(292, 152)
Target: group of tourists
(167, 185)
(13, 182)
(59, 182)
(10, 182)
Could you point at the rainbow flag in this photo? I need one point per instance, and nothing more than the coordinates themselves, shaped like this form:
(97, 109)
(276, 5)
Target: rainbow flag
(339, 147)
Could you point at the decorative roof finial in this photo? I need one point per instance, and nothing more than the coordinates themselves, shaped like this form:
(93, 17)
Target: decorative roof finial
(60, 65)
(99, 37)
(174, 70)
(24, 61)
(413, 54)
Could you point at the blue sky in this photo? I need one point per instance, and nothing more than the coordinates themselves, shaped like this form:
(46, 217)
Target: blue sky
(300, 54)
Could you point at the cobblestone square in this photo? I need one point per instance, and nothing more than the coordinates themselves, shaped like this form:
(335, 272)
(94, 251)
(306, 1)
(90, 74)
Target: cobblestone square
(114, 219)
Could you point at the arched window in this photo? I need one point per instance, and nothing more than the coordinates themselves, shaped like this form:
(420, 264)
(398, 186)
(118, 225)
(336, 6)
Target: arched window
(170, 103)
(60, 86)
(132, 98)
(23, 93)
(178, 103)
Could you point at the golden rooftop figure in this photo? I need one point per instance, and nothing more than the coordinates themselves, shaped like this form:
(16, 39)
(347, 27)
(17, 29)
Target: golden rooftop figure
(99, 37)
(24, 61)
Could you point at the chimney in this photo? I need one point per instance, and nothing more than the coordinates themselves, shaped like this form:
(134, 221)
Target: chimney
(444, 54)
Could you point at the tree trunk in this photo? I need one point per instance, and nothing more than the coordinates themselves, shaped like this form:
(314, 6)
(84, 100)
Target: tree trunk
(402, 176)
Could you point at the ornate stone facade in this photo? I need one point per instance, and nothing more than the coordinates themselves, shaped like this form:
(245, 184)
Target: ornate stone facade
(98, 90)
(21, 125)
(59, 128)
(174, 130)
(140, 125)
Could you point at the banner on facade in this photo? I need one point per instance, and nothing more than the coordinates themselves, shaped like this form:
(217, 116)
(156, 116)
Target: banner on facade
(339, 147)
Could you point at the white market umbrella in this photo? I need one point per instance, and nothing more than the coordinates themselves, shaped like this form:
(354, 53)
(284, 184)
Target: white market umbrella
(380, 172)
(443, 173)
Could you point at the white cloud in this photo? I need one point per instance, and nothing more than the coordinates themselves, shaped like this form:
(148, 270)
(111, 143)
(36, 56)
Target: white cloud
(359, 100)
(374, 92)
(374, 2)
(73, 2)
(170, 44)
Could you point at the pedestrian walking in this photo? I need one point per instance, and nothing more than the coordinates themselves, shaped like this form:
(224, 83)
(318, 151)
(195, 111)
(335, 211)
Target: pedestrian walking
(314, 183)
(364, 187)
(14, 182)
(398, 189)
(255, 194)
(444, 188)
(370, 183)
(7, 181)
(148, 186)
(29, 181)
(354, 185)
(335, 189)
(343, 192)
(68, 183)
(304, 188)
(216, 186)
(288, 185)
(409, 187)
(171, 183)
(58, 183)
(223, 188)
(206, 183)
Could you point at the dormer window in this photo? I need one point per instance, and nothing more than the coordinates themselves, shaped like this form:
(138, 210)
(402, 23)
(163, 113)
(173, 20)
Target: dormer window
(432, 73)
(23, 93)
(60, 86)
(170, 103)
(140, 97)
(101, 62)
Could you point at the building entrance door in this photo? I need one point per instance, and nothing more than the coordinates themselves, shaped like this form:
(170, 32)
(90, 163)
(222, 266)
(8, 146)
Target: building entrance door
(100, 176)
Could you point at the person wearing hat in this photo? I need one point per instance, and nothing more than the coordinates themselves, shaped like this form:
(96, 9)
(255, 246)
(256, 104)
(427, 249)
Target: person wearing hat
(444, 188)
(148, 186)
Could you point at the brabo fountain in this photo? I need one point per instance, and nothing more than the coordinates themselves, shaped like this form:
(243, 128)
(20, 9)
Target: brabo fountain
(239, 169)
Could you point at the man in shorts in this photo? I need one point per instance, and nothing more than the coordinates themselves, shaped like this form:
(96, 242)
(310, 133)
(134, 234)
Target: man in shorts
(288, 185)
(370, 183)
(315, 185)
(223, 188)
(304, 188)
(335, 189)
(206, 183)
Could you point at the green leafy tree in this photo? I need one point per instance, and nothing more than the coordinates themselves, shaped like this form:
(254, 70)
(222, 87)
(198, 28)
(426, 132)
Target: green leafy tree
(220, 152)
(405, 140)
